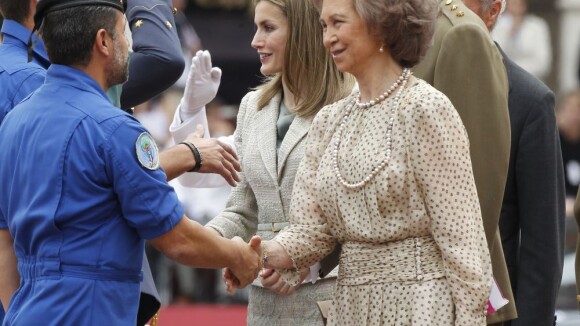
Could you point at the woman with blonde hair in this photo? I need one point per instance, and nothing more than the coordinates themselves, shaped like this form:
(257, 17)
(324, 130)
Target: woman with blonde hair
(272, 125)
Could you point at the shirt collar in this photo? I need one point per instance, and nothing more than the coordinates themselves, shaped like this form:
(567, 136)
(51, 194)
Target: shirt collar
(60, 74)
(15, 33)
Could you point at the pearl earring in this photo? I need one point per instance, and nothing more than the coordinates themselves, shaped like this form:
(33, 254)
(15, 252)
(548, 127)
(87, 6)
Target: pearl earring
(382, 49)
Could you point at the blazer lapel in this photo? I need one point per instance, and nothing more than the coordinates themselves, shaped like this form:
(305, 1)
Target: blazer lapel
(298, 130)
(266, 128)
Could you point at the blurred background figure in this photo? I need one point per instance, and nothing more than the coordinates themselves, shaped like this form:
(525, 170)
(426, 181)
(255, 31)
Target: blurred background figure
(152, 115)
(569, 126)
(568, 119)
(525, 38)
(190, 42)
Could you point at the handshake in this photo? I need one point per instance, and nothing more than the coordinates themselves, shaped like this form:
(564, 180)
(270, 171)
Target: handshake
(271, 256)
(247, 264)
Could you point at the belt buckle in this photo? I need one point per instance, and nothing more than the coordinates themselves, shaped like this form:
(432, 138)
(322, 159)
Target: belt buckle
(274, 228)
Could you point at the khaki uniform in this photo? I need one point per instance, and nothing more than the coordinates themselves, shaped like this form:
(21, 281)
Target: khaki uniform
(465, 65)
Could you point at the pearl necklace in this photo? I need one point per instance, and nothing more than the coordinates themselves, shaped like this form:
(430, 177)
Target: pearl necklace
(402, 81)
(382, 97)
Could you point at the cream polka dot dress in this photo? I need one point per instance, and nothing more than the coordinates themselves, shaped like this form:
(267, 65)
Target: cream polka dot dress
(414, 249)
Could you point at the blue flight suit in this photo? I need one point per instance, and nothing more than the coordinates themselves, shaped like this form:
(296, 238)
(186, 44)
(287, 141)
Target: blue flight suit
(154, 66)
(78, 204)
(18, 77)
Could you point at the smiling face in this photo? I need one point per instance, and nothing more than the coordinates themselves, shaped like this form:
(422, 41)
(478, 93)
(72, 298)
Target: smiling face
(346, 36)
(271, 36)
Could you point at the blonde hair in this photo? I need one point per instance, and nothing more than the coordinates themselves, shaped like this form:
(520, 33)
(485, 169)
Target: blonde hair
(309, 71)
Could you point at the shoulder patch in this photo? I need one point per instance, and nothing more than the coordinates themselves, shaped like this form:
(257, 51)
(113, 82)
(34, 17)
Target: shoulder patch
(147, 151)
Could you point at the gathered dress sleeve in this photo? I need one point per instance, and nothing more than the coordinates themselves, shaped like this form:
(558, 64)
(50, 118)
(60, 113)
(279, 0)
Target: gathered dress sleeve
(308, 239)
(438, 148)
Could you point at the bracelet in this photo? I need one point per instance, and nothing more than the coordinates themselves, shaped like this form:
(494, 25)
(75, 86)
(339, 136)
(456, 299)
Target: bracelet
(196, 155)
(264, 259)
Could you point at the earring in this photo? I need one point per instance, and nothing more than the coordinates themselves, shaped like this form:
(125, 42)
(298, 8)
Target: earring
(382, 49)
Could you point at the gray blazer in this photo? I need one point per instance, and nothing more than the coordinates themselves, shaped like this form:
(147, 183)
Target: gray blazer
(261, 201)
(533, 210)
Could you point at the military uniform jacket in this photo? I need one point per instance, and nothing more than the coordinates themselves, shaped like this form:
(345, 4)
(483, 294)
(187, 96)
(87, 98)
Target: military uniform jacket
(465, 65)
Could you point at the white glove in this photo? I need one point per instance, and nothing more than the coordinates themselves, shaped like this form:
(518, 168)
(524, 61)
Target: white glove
(201, 87)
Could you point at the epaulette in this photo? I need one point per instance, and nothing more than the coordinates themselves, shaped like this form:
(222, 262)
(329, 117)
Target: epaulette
(451, 6)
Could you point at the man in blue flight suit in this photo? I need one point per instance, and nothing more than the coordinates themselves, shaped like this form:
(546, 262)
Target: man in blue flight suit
(79, 199)
(18, 77)
(155, 64)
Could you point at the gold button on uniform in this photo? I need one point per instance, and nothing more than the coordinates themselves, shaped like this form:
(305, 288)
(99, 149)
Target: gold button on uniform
(168, 24)
(448, 2)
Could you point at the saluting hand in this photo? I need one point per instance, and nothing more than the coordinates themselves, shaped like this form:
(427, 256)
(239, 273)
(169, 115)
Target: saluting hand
(201, 86)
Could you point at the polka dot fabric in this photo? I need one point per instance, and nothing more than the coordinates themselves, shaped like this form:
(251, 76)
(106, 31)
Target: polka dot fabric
(414, 249)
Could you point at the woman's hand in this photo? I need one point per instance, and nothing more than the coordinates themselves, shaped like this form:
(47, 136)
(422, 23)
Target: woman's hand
(273, 281)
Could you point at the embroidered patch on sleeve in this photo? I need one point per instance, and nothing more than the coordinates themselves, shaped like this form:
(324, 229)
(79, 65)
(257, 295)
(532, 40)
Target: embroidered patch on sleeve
(147, 151)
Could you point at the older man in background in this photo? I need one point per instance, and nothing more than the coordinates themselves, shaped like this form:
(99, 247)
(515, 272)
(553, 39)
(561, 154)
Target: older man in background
(465, 65)
(533, 212)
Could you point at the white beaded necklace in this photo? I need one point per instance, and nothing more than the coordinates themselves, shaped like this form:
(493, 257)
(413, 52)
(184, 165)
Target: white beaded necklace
(382, 97)
(401, 82)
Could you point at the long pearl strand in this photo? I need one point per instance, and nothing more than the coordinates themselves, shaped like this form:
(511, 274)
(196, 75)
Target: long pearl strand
(401, 82)
(382, 97)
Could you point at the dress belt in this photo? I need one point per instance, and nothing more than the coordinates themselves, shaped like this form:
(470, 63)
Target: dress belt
(410, 260)
(37, 269)
(273, 226)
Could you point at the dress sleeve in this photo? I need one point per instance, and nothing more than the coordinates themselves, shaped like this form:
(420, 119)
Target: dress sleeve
(482, 104)
(438, 149)
(308, 239)
(240, 218)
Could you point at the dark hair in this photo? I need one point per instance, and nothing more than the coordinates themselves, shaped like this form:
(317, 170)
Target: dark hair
(69, 34)
(405, 26)
(17, 10)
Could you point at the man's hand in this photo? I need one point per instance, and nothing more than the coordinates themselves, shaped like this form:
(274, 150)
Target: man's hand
(273, 281)
(216, 157)
(249, 266)
(201, 86)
